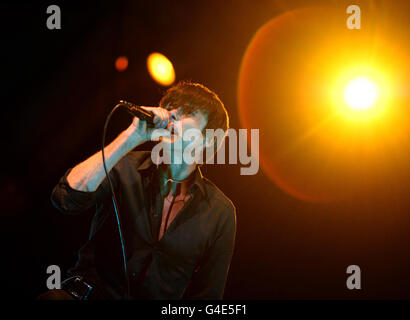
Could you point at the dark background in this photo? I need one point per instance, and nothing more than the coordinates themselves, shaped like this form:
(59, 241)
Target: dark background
(59, 85)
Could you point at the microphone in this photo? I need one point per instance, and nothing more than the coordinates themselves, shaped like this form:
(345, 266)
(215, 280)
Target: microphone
(139, 112)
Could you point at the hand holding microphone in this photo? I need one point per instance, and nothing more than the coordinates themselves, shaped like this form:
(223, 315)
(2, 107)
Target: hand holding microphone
(149, 123)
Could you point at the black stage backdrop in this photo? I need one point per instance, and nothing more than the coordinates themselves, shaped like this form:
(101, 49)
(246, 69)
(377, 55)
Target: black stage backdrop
(57, 88)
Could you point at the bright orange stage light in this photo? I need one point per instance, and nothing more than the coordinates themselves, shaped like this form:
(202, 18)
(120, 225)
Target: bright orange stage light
(330, 103)
(361, 93)
(161, 69)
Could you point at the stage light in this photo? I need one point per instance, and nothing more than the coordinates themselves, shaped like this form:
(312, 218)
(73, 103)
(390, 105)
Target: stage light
(160, 69)
(361, 93)
(332, 104)
(121, 63)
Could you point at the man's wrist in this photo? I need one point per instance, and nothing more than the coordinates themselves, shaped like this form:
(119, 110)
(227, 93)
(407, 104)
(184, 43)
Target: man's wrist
(132, 138)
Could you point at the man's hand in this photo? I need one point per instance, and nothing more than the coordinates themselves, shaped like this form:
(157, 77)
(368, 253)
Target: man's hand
(139, 131)
(88, 175)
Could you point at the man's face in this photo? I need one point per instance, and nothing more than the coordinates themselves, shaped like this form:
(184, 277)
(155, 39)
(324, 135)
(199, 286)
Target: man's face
(180, 126)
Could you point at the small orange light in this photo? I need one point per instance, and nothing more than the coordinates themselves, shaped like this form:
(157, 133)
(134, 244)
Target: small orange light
(121, 63)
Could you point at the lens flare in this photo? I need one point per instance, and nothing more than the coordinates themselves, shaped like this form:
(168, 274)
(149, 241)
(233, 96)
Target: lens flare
(161, 69)
(332, 104)
(361, 93)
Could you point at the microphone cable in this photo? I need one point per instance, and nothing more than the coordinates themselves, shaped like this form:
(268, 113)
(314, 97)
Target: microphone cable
(114, 201)
(136, 111)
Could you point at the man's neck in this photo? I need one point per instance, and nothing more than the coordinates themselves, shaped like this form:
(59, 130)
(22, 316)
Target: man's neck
(178, 172)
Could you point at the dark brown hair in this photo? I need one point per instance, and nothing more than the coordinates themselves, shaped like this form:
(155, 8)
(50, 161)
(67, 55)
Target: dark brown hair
(194, 97)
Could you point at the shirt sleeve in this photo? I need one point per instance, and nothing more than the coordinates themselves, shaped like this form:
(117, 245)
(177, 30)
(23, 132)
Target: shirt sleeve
(208, 281)
(72, 201)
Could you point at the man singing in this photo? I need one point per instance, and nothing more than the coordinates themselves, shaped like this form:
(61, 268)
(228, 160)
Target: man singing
(178, 227)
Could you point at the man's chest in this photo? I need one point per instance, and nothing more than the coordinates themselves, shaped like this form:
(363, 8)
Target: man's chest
(177, 231)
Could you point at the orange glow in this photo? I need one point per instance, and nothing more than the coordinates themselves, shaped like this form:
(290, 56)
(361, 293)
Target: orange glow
(294, 87)
(160, 69)
(121, 63)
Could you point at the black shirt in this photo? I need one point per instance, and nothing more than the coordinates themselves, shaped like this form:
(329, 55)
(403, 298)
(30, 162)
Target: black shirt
(190, 261)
